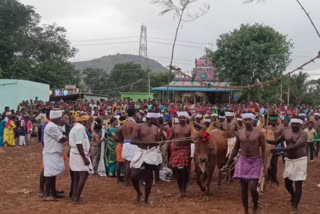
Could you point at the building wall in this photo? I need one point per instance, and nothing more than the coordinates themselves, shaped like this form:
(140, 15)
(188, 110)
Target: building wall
(13, 92)
(94, 97)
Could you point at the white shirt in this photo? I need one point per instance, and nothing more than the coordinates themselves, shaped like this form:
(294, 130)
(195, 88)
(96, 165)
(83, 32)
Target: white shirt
(52, 134)
(78, 135)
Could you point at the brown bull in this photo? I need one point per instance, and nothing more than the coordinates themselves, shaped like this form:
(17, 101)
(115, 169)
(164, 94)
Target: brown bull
(207, 156)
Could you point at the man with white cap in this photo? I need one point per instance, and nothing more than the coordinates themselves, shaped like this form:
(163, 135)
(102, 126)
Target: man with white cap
(230, 126)
(180, 151)
(303, 117)
(80, 162)
(250, 141)
(295, 169)
(147, 155)
(52, 154)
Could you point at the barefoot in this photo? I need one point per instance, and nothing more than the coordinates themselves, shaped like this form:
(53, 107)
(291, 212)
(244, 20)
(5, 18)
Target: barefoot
(50, 198)
(79, 201)
(146, 204)
(205, 198)
(138, 197)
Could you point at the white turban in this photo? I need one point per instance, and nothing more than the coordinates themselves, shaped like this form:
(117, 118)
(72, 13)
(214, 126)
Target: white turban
(239, 119)
(198, 115)
(222, 117)
(183, 114)
(302, 115)
(229, 114)
(316, 114)
(296, 120)
(54, 114)
(207, 120)
(153, 115)
(248, 116)
(214, 115)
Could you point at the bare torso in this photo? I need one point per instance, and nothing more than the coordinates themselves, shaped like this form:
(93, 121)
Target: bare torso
(181, 131)
(230, 128)
(146, 133)
(250, 142)
(128, 129)
(291, 138)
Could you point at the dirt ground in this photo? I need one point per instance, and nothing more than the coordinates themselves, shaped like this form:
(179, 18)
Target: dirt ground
(20, 168)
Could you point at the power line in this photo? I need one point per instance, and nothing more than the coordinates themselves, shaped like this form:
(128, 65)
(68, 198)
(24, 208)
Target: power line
(104, 39)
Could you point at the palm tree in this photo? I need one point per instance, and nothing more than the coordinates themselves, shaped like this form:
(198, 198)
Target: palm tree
(299, 87)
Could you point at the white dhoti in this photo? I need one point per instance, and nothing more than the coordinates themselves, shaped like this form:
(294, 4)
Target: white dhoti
(102, 167)
(53, 164)
(76, 162)
(128, 150)
(231, 144)
(22, 141)
(295, 169)
(193, 148)
(149, 156)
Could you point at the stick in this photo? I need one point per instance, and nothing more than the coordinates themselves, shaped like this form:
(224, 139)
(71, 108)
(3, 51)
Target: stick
(310, 19)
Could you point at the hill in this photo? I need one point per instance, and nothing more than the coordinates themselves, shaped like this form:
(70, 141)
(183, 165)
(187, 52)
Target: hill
(108, 62)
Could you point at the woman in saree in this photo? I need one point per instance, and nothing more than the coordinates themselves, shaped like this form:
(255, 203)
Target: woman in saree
(2, 125)
(110, 157)
(8, 134)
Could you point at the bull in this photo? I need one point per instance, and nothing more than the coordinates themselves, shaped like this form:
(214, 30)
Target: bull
(208, 155)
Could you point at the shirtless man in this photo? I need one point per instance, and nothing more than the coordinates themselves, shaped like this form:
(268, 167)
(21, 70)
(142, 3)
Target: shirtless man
(128, 149)
(147, 156)
(295, 169)
(277, 130)
(180, 152)
(248, 167)
(231, 127)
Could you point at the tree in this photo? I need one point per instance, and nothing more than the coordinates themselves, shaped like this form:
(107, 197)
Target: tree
(33, 52)
(250, 55)
(298, 88)
(127, 77)
(180, 10)
(96, 80)
(160, 78)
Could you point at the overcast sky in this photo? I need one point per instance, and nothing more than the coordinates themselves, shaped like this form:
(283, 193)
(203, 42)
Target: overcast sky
(104, 27)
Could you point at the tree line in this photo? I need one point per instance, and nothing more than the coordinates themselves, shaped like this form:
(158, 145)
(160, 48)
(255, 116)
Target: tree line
(247, 55)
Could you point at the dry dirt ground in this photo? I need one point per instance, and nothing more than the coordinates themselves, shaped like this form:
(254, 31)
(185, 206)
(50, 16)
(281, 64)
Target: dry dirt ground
(20, 168)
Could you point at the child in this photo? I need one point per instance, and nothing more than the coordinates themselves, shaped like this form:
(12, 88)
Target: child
(22, 137)
(312, 134)
(96, 143)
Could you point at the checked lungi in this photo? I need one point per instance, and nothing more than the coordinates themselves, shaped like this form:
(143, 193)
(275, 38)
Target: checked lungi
(180, 156)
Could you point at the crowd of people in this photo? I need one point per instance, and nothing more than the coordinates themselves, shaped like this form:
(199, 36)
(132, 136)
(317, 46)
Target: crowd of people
(133, 140)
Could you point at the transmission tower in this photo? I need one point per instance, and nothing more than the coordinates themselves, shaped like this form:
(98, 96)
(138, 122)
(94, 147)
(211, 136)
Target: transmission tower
(143, 51)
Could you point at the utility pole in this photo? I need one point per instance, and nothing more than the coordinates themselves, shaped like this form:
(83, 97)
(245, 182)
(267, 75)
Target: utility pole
(281, 93)
(143, 52)
(288, 96)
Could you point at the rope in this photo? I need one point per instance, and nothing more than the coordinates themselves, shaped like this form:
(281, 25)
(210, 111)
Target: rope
(208, 85)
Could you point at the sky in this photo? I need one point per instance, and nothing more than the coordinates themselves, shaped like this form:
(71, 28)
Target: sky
(107, 27)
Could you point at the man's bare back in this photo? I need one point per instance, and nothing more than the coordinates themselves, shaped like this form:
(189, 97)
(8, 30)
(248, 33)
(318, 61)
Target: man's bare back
(128, 129)
(146, 133)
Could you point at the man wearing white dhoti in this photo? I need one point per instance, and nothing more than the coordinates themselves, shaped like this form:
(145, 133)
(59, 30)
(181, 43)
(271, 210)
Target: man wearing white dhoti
(295, 169)
(80, 162)
(52, 154)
